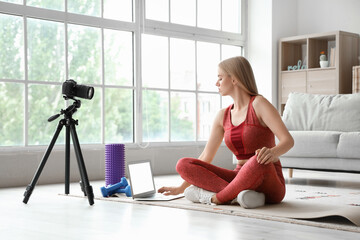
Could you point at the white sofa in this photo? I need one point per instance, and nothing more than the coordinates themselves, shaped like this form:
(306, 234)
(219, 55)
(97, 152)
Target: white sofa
(326, 130)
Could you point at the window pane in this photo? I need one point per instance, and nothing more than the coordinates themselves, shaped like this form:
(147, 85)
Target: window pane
(44, 102)
(118, 10)
(228, 51)
(209, 105)
(118, 57)
(209, 14)
(46, 50)
(118, 115)
(208, 57)
(49, 4)
(155, 62)
(182, 64)
(231, 16)
(11, 120)
(181, 8)
(86, 7)
(157, 10)
(11, 47)
(183, 109)
(155, 116)
(84, 54)
(89, 116)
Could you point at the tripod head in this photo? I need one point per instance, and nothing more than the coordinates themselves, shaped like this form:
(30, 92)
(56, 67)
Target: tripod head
(69, 111)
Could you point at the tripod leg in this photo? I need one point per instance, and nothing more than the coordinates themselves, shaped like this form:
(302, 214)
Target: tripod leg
(84, 178)
(82, 186)
(67, 160)
(31, 186)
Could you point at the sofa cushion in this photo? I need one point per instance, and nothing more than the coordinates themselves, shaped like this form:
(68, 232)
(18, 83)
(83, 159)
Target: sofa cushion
(314, 144)
(349, 145)
(339, 112)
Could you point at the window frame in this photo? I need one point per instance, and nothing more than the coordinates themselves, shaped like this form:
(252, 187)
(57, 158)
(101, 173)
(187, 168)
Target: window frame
(173, 30)
(140, 25)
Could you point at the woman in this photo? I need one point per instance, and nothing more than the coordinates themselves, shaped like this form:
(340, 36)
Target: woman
(249, 127)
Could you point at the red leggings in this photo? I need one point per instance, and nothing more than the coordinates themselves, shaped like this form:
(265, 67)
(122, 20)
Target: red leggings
(227, 184)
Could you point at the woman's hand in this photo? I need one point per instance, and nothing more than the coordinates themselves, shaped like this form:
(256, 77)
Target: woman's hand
(171, 190)
(266, 155)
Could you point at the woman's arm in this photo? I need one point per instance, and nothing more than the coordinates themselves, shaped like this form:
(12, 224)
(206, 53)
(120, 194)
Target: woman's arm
(208, 154)
(215, 139)
(269, 116)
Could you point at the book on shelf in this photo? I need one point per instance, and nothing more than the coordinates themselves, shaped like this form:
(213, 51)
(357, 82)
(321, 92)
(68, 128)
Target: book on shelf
(332, 57)
(356, 79)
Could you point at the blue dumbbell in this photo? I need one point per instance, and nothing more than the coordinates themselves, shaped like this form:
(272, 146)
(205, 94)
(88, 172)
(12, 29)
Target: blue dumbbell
(111, 189)
(126, 190)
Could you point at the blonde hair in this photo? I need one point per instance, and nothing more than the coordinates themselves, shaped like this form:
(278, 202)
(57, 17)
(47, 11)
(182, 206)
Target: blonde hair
(240, 68)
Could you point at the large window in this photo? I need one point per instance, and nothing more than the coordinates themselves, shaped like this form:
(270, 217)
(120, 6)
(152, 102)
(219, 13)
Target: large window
(153, 70)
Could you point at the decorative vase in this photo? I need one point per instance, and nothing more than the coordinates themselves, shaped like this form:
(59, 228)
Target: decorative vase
(324, 64)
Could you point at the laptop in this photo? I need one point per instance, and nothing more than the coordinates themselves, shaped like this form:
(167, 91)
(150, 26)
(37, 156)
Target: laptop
(142, 183)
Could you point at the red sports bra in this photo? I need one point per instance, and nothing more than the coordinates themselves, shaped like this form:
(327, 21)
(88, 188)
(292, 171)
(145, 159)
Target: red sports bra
(243, 140)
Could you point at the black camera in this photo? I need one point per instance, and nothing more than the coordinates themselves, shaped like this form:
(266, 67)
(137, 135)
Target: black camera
(71, 89)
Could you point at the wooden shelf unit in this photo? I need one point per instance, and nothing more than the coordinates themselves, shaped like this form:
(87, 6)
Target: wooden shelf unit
(342, 47)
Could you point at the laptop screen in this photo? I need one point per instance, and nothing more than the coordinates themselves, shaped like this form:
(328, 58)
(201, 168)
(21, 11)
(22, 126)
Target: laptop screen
(141, 178)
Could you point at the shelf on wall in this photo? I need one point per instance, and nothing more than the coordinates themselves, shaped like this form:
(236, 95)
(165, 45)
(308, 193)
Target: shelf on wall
(309, 69)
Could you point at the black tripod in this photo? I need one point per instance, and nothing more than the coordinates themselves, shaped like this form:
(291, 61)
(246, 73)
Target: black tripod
(69, 123)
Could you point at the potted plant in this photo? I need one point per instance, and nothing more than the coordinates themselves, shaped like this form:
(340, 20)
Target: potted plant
(323, 60)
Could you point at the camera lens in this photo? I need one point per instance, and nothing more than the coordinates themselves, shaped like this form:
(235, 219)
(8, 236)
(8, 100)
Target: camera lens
(84, 91)
(90, 93)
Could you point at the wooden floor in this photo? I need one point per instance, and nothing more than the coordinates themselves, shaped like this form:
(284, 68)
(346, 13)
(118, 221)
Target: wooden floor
(51, 216)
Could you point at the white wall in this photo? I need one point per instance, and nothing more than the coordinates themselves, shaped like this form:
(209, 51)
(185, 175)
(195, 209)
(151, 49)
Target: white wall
(259, 48)
(268, 21)
(328, 15)
(19, 166)
(284, 24)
